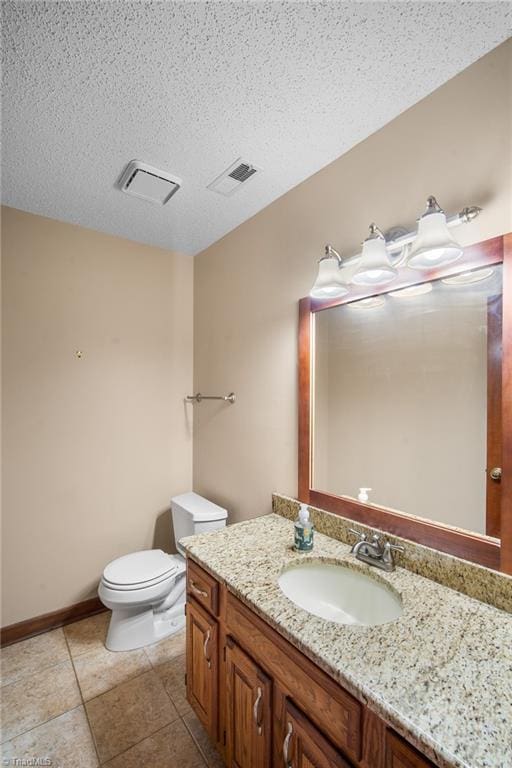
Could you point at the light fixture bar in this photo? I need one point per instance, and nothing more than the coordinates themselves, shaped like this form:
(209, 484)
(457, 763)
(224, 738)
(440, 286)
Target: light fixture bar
(465, 216)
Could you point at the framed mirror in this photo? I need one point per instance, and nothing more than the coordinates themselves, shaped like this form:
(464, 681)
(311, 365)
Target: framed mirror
(405, 398)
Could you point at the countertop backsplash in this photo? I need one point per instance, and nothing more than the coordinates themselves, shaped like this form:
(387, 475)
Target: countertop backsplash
(474, 580)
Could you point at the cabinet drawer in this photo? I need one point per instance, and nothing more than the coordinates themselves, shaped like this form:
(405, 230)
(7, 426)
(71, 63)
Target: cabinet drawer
(400, 754)
(334, 711)
(203, 587)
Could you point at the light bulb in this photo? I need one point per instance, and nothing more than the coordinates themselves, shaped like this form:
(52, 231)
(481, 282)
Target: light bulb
(329, 283)
(375, 267)
(434, 245)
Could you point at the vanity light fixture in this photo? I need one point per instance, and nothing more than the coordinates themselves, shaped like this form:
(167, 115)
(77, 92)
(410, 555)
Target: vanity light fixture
(430, 247)
(329, 283)
(434, 246)
(468, 278)
(375, 268)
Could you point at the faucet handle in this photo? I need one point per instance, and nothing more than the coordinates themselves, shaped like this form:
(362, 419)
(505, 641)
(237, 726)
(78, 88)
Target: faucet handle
(361, 535)
(387, 554)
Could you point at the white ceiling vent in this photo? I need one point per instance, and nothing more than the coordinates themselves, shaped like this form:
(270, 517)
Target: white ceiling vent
(233, 178)
(142, 180)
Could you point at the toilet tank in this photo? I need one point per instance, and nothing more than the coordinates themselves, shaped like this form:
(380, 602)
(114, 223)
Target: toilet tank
(192, 514)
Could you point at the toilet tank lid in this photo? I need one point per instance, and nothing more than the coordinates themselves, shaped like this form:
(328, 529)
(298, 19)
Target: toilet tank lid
(198, 507)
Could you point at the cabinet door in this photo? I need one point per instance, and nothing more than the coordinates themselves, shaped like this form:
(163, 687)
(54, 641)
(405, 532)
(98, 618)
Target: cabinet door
(248, 715)
(304, 746)
(202, 666)
(400, 754)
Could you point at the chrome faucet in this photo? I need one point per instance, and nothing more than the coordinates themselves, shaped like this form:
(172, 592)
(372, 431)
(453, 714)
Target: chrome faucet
(375, 551)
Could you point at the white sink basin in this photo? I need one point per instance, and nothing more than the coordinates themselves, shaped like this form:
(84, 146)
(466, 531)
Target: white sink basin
(340, 594)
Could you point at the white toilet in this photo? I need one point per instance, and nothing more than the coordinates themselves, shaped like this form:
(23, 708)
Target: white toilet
(146, 590)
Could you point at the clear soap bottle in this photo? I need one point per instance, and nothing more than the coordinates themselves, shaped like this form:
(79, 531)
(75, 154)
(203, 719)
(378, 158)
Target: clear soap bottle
(303, 531)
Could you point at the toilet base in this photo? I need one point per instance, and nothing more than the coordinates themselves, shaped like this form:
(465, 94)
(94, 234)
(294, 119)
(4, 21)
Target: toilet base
(132, 628)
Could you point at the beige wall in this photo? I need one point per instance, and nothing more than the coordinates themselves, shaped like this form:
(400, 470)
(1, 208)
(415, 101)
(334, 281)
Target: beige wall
(95, 447)
(456, 144)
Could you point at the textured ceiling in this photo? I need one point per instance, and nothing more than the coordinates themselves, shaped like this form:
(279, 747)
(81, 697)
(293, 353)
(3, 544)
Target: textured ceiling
(191, 86)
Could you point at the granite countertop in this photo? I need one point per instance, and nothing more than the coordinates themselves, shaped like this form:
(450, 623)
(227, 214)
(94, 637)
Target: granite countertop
(441, 674)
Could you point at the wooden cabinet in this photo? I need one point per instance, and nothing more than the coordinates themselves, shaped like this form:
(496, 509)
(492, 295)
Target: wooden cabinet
(264, 704)
(248, 711)
(202, 666)
(304, 746)
(400, 754)
(330, 708)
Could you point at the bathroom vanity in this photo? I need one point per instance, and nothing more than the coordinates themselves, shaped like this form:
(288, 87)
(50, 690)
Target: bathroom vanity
(275, 685)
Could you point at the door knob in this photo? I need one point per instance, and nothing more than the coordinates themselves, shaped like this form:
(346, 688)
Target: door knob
(495, 474)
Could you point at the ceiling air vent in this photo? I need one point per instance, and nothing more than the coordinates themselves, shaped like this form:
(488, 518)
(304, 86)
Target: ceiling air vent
(233, 177)
(144, 181)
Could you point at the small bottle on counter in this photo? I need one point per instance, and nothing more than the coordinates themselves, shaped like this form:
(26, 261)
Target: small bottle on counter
(303, 531)
(363, 494)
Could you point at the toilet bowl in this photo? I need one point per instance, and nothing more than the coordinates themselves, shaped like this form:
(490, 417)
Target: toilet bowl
(146, 590)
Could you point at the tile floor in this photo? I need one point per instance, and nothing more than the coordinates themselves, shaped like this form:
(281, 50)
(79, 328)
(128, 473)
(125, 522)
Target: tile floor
(68, 700)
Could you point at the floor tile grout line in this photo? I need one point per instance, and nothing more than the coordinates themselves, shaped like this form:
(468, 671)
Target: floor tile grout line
(150, 736)
(128, 680)
(79, 656)
(35, 672)
(51, 666)
(39, 669)
(112, 689)
(207, 762)
(83, 703)
(147, 736)
(74, 655)
(135, 674)
(39, 725)
(203, 757)
(179, 715)
(44, 722)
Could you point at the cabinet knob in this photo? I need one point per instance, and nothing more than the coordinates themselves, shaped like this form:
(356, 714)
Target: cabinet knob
(495, 474)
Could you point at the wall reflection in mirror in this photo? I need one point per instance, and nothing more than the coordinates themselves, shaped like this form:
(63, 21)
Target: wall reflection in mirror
(407, 400)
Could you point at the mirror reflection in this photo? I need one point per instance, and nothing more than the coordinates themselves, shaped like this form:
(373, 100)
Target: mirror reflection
(407, 400)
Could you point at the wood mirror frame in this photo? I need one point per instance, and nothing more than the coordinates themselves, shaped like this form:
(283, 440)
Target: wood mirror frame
(470, 546)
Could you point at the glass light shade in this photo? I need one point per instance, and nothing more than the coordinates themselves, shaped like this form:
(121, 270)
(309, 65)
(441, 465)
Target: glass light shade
(375, 268)
(434, 246)
(468, 278)
(329, 283)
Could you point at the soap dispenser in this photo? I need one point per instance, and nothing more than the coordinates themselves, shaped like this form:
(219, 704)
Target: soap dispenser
(363, 494)
(303, 531)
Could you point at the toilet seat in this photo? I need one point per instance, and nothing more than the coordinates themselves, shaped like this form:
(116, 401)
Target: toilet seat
(142, 570)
